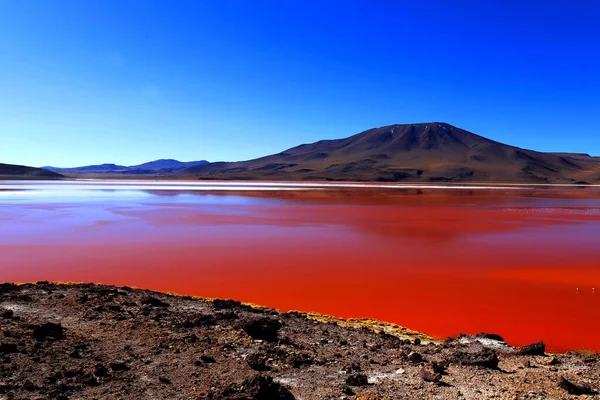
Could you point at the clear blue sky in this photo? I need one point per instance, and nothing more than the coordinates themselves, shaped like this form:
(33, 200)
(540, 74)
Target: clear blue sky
(127, 81)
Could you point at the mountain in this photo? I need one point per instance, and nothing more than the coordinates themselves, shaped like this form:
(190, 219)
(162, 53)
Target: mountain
(167, 164)
(424, 152)
(9, 171)
(91, 168)
(160, 167)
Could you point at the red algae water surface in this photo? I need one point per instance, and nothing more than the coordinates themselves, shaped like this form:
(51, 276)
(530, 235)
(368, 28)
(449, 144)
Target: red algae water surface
(520, 262)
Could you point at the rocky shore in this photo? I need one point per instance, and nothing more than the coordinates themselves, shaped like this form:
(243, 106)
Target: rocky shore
(88, 341)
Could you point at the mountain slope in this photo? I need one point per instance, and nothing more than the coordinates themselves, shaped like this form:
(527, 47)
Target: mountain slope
(10, 171)
(164, 166)
(427, 152)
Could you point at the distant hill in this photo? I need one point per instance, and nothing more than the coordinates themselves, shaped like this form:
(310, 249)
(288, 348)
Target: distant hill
(165, 166)
(424, 152)
(9, 171)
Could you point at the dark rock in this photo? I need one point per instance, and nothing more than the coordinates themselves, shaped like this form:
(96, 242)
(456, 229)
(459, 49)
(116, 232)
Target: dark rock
(354, 367)
(115, 307)
(357, 380)
(204, 359)
(573, 388)
(198, 321)
(262, 328)
(297, 360)
(439, 367)
(155, 302)
(535, 349)
(8, 287)
(415, 357)
(48, 330)
(226, 315)
(90, 380)
(554, 361)
(164, 380)
(348, 390)
(7, 314)
(417, 341)
(429, 376)
(75, 353)
(100, 371)
(119, 365)
(8, 348)
(225, 304)
(482, 358)
(258, 387)
(258, 361)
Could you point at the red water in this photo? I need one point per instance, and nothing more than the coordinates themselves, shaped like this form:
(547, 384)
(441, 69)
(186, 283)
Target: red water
(525, 267)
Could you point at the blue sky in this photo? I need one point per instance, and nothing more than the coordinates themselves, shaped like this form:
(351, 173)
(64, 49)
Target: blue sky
(128, 81)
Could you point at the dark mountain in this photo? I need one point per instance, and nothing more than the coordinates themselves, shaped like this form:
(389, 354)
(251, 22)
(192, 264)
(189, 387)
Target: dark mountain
(9, 171)
(91, 168)
(165, 166)
(426, 152)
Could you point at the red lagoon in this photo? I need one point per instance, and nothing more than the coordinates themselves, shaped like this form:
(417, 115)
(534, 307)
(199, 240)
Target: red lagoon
(524, 264)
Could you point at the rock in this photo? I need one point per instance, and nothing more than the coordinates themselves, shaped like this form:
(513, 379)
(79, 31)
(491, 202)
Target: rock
(482, 358)
(491, 336)
(207, 359)
(258, 361)
(198, 321)
(155, 302)
(226, 315)
(429, 375)
(357, 379)
(415, 357)
(8, 287)
(225, 304)
(48, 330)
(354, 367)
(573, 388)
(75, 353)
(259, 387)
(535, 349)
(119, 365)
(8, 348)
(262, 328)
(554, 361)
(164, 379)
(7, 313)
(348, 390)
(115, 307)
(100, 371)
(417, 341)
(297, 360)
(439, 367)
(369, 396)
(90, 379)
(83, 299)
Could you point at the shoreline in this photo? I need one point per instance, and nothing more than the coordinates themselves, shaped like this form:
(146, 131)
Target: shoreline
(89, 341)
(374, 324)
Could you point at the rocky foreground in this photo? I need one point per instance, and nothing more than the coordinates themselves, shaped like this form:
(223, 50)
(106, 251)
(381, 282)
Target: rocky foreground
(99, 342)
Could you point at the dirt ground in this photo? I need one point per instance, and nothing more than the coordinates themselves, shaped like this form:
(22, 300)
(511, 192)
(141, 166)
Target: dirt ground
(90, 341)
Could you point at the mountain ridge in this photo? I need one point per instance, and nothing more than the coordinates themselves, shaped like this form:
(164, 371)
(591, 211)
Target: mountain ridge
(166, 165)
(420, 152)
(13, 171)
